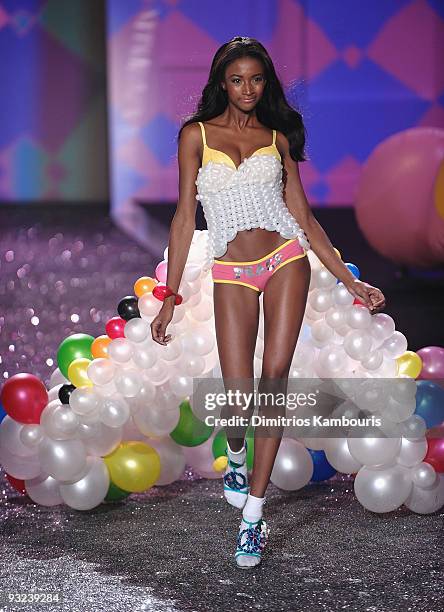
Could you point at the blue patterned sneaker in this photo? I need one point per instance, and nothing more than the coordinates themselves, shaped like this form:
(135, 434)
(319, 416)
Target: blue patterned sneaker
(236, 486)
(251, 541)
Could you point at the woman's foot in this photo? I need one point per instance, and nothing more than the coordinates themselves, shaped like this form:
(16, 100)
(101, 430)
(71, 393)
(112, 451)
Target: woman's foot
(236, 477)
(253, 534)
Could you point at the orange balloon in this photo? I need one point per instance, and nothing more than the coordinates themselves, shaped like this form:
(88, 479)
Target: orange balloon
(99, 347)
(144, 284)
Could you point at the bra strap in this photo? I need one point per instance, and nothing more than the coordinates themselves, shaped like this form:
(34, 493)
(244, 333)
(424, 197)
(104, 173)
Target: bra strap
(202, 129)
(274, 136)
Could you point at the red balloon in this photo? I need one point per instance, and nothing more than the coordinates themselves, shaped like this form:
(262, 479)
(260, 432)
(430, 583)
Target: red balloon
(435, 450)
(356, 301)
(114, 327)
(24, 397)
(18, 484)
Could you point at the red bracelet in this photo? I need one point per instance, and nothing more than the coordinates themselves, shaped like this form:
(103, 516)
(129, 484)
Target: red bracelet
(163, 291)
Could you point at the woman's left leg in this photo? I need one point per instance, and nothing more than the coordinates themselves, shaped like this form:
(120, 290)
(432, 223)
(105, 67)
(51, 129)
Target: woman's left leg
(284, 302)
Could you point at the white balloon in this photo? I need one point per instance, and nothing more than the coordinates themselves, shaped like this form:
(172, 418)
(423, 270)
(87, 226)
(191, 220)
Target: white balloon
(382, 327)
(62, 459)
(357, 344)
(145, 355)
(427, 500)
(101, 371)
(19, 467)
(374, 451)
(44, 490)
(373, 360)
(62, 423)
(339, 457)
(11, 437)
(321, 333)
(31, 436)
(331, 361)
(293, 467)
(53, 393)
(182, 386)
(57, 378)
(320, 300)
(423, 475)
(128, 382)
(120, 350)
(336, 316)
(382, 489)
(172, 460)
(114, 412)
(323, 279)
(359, 317)
(412, 452)
(149, 306)
(85, 400)
(91, 489)
(342, 296)
(395, 345)
(104, 441)
(137, 330)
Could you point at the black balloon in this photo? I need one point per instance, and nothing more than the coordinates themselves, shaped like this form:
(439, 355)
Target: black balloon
(128, 308)
(65, 393)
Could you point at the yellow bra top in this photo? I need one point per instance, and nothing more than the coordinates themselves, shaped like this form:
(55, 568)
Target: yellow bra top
(219, 157)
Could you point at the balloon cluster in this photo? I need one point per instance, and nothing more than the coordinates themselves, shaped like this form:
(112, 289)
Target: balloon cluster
(119, 415)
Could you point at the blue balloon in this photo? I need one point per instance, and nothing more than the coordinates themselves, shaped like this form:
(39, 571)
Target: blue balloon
(322, 470)
(353, 269)
(2, 412)
(430, 402)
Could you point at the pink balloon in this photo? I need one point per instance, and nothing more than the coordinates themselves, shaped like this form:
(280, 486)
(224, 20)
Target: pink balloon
(432, 362)
(161, 271)
(397, 204)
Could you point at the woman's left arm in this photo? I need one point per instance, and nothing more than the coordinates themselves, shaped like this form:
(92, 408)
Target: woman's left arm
(297, 204)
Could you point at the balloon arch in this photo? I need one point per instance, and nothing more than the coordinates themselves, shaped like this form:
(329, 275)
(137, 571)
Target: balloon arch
(119, 417)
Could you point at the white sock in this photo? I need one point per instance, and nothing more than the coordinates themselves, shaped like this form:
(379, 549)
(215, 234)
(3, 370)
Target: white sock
(252, 512)
(236, 477)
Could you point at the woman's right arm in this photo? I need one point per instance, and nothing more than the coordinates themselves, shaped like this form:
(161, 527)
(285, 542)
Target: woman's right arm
(183, 224)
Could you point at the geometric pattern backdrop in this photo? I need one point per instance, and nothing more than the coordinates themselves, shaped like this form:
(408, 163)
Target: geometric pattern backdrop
(53, 127)
(358, 71)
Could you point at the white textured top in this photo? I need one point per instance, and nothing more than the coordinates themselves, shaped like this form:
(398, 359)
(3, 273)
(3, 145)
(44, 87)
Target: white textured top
(236, 199)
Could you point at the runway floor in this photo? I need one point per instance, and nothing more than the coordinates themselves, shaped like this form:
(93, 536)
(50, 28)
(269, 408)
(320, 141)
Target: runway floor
(64, 271)
(171, 549)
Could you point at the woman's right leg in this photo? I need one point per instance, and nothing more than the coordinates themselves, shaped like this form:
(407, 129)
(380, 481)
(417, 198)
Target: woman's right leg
(236, 313)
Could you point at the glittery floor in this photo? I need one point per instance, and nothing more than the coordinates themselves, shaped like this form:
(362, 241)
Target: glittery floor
(171, 548)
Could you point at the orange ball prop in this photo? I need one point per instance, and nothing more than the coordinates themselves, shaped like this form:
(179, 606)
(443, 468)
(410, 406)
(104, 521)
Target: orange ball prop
(144, 284)
(99, 348)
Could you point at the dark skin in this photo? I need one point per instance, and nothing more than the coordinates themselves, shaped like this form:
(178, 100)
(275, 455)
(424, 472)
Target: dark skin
(238, 133)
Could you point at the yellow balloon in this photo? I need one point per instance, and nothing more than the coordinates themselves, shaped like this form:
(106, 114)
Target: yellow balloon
(133, 466)
(409, 363)
(337, 253)
(77, 372)
(220, 463)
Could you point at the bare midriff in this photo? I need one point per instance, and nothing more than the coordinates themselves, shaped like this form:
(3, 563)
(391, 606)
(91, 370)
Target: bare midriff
(249, 245)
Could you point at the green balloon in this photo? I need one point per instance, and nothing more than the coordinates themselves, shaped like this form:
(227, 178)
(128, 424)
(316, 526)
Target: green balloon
(115, 493)
(190, 431)
(73, 347)
(220, 444)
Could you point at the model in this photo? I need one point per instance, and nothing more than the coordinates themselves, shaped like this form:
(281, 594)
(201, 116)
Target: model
(238, 155)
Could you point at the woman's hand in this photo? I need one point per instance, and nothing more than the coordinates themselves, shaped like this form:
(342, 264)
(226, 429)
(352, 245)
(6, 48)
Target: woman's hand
(160, 322)
(372, 297)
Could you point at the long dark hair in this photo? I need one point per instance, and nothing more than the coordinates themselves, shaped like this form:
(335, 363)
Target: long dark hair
(272, 110)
